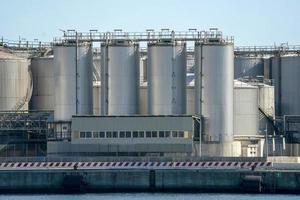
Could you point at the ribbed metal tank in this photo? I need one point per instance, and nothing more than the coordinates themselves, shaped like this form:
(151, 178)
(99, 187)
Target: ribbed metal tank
(166, 78)
(119, 78)
(15, 82)
(249, 67)
(43, 84)
(246, 114)
(72, 81)
(214, 91)
(285, 73)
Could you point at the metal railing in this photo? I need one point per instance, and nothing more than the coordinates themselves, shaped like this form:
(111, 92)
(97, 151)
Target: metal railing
(24, 44)
(148, 36)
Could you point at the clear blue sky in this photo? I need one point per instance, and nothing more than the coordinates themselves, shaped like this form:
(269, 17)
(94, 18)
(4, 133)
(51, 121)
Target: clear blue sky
(251, 22)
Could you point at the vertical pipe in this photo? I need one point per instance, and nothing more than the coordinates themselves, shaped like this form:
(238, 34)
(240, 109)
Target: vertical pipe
(76, 73)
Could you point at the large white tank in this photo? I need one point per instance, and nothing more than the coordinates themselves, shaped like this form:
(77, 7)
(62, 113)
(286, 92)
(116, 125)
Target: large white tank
(119, 78)
(249, 67)
(214, 92)
(15, 82)
(43, 84)
(72, 81)
(246, 113)
(166, 77)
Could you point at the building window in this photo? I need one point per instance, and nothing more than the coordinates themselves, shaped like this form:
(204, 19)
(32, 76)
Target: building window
(167, 134)
(148, 134)
(108, 134)
(95, 134)
(174, 134)
(102, 135)
(82, 134)
(128, 134)
(154, 134)
(122, 134)
(180, 134)
(141, 134)
(161, 134)
(88, 134)
(115, 134)
(135, 134)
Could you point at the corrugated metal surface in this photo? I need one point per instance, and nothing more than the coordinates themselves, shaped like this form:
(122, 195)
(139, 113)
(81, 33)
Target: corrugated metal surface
(96, 98)
(119, 78)
(190, 100)
(214, 90)
(96, 68)
(246, 113)
(166, 78)
(15, 83)
(266, 99)
(73, 94)
(143, 101)
(43, 84)
(248, 67)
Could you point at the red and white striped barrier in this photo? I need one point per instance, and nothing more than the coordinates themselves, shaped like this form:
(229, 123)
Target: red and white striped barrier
(133, 165)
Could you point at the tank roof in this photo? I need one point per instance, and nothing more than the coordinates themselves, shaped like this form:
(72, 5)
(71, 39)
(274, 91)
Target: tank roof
(5, 54)
(240, 84)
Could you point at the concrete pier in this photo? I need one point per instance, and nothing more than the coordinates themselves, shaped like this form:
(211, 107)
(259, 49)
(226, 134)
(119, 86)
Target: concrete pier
(178, 180)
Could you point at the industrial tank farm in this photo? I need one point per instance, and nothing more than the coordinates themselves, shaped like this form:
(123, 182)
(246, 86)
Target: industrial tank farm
(119, 78)
(132, 95)
(15, 82)
(166, 78)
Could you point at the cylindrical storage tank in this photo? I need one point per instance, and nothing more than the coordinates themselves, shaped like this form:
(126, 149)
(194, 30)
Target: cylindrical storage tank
(15, 82)
(246, 113)
(73, 81)
(214, 92)
(286, 73)
(248, 67)
(166, 78)
(119, 78)
(43, 84)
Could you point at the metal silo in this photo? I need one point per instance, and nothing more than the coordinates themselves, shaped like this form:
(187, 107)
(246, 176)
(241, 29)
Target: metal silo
(15, 82)
(214, 63)
(166, 78)
(248, 67)
(246, 114)
(288, 93)
(43, 84)
(119, 78)
(72, 81)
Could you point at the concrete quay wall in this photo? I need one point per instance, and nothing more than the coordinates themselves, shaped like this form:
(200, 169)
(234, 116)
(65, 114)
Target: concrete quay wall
(178, 180)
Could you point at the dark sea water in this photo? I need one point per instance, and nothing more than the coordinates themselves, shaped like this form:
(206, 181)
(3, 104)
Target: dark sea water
(149, 196)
